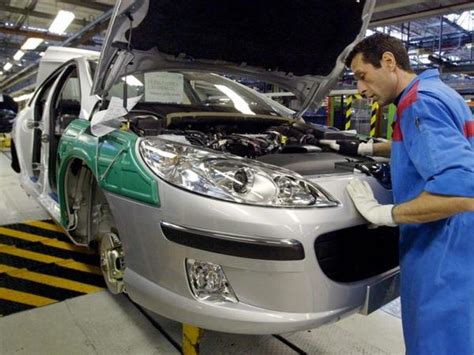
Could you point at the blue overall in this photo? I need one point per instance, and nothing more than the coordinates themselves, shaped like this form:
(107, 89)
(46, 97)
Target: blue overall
(433, 151)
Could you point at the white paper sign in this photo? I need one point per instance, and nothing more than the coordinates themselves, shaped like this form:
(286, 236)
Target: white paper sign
(164, 87)
(106, 121)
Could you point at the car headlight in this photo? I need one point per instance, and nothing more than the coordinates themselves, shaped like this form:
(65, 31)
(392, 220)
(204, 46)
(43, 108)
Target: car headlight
(229, 177)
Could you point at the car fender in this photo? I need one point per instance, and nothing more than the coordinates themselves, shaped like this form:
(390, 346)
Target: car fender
(113, 162)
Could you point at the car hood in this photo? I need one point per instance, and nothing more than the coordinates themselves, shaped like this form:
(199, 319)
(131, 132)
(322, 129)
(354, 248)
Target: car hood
(298, 45)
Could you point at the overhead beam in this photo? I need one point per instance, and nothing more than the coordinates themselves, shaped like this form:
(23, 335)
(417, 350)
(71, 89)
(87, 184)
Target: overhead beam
(396, 5)
(93, 28)
(448, 40)
(22, 19)
(455, 26)
(88, 4)
(78, 38)
(30, 33)
(464, 68)
(442, 10)
(37, 14)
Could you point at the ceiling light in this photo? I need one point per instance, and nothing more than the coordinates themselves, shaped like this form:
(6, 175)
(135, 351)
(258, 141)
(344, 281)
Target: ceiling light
(18, 55)
(31, 43)
(61, 22)
(7, 66)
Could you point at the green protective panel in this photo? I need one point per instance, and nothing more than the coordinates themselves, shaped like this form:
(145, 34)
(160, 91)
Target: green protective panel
(112, 160)
(392, 110)
(331, 108)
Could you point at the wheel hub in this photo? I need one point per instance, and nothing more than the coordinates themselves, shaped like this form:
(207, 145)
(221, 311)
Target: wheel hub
(112, 262)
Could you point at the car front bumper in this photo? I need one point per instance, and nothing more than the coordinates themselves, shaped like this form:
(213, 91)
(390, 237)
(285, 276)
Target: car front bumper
(227, 317)
(275, 296)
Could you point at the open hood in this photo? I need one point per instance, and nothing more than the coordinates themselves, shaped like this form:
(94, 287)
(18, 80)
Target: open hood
(298, 45)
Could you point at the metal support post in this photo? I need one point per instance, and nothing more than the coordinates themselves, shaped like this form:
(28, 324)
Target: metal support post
(347, 122)
(330, 112)
(191, 339)
(373, 118)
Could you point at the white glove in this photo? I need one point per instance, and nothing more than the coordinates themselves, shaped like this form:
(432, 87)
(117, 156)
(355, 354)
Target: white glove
(365, 202)
(366, 149)
(349, 147)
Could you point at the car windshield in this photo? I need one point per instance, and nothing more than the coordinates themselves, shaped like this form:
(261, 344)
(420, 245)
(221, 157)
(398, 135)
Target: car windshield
(186, 91)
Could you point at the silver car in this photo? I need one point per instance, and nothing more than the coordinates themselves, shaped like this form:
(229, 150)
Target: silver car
(210, 203)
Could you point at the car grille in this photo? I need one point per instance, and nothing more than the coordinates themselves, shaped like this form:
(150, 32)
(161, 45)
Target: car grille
(357, 253)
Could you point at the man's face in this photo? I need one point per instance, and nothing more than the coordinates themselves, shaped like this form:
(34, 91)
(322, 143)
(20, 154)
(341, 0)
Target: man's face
(379, 84)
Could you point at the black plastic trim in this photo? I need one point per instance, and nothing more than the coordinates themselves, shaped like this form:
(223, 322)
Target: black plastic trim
(357, 253)
(251, 248)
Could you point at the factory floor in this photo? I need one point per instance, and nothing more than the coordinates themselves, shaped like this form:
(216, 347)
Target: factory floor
(100, 323)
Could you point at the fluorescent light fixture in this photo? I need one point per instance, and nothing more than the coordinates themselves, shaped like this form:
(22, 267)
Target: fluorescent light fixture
(132, 81)
(18, 55)
(31, 43)
(7, 66)
(61, 22)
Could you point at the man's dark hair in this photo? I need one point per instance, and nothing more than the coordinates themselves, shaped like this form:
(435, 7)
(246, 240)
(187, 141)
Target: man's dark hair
(374, 46)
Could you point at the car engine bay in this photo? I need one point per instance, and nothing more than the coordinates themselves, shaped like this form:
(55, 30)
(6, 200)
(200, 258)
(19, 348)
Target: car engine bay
(282, 142)
(249, 137)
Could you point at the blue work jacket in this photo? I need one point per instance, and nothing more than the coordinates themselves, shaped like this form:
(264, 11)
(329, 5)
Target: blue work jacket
(433, 151)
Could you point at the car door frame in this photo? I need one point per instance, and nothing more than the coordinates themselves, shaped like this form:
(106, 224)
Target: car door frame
(29, 128)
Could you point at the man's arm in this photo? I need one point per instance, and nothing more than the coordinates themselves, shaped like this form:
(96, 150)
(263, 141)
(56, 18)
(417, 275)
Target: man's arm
(382, 149)
(354, 148)
(428, 208)
(425, 208)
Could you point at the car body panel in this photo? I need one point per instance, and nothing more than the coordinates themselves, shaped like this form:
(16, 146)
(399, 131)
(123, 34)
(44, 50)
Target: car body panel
(36, 122)
(282, 290)
(112, 160)
(54, 57)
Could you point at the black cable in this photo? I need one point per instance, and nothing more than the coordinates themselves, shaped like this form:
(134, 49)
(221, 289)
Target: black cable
(290, 344)
(157, 326)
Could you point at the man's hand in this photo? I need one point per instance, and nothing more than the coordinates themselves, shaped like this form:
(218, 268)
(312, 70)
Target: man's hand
(365, 202)
(349, 147)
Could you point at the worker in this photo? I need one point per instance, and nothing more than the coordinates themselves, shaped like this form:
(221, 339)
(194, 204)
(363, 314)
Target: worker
(432, 168)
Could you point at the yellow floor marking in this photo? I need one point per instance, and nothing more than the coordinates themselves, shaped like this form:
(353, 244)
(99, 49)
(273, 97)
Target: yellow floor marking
(69, 263)
(44, 225)
(25, 298)
(44, 240)
(75, 265)
(53, 281)
(6, 268)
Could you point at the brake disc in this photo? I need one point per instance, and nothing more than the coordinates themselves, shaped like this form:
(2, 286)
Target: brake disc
(112, 262)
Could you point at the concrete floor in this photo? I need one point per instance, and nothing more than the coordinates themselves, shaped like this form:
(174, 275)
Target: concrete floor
(100, 323)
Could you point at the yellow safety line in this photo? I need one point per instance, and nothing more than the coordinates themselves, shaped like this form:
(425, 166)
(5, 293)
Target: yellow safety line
(75, 265)
(68, 263)
(53, 281)
(44, 225)
(25, 298)
(6, 268)
(44, 240)
(347, 124)
(191, 338)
